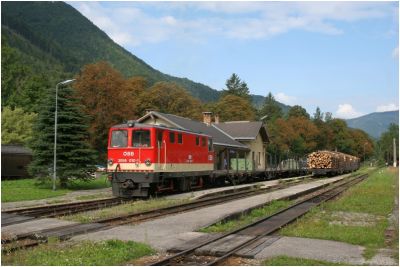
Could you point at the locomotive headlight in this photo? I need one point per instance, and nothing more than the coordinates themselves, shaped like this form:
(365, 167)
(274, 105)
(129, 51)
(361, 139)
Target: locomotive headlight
(147, 162)
(110, 162)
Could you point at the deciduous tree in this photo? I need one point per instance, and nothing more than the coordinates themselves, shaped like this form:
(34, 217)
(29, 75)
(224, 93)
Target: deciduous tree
(170, 98)
(384, 148)
(16, 126)
(234, 108)
(106, 100)
(298, 111)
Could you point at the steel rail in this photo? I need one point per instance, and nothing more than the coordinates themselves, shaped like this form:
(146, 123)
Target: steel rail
(65, 232)
(174, 260)
(73, 229)
(58, 210)
(199, 203)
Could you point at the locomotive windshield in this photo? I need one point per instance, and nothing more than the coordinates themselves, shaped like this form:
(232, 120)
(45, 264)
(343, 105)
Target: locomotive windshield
(119, 138)
(141, 138)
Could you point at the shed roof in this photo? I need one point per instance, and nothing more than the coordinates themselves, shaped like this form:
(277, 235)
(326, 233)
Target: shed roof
(219, 137)
(244, 130)
(15, 149)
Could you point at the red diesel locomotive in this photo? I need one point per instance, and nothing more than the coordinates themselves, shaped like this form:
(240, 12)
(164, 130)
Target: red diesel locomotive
(143, 159)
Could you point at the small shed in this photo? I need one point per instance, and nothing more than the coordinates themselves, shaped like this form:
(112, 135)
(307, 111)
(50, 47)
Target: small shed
(14, 161)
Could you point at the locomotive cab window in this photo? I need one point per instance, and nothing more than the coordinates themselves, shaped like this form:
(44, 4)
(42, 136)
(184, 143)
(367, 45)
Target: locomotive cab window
(180, 138)
(141, 138)
(203, 141)
(119, 138)
(172, 137)
(197, 141)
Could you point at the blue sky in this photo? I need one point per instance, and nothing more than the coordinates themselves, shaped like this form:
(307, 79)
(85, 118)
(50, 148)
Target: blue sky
(340, 56)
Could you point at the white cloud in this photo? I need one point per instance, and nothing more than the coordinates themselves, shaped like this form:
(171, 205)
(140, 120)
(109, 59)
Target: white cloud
(285, 99)
(346, 111)
(133, 24)
(388, 107)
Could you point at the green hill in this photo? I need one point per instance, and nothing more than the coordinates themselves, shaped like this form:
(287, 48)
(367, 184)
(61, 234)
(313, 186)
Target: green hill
(375, 123)
(53, 40)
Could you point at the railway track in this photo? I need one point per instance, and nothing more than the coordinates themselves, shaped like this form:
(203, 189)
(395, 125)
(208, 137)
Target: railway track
(27, 214)
(65, 232)
(257, 230)
(10, 243)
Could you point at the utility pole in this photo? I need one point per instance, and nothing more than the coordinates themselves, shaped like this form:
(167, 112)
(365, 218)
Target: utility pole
(394, 153)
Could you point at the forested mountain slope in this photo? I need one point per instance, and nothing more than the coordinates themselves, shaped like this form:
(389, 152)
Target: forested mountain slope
(375, 123)
(54, 40)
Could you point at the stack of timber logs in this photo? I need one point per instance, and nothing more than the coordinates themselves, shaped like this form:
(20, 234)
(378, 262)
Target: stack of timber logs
(324, 160)
(330, 160)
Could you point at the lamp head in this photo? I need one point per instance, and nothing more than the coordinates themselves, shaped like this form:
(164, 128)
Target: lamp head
(67, 81)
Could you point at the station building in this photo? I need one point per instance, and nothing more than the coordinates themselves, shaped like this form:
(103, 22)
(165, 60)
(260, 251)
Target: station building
(238, 145)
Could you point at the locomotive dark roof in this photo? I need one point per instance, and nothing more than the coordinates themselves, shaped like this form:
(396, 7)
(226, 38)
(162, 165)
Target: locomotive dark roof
(219, 137)
(143, 125)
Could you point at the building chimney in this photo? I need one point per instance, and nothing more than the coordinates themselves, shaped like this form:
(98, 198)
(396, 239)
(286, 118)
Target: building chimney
(207, 117)
(216, 118)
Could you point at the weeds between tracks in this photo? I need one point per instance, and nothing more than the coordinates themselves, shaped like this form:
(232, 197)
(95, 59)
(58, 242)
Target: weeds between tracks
(359, 216)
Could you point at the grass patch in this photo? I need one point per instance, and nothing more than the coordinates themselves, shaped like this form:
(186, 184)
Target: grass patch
(110, 252)
(98, 183)
(27, 189)
(136, 206)
(291, 261)
(373, 198)
(245, 219)
(31, 189)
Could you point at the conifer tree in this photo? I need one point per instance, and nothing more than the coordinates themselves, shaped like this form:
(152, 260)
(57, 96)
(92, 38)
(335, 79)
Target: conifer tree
(271, 109)
(235, 86)
(75, 158)
(318, 115)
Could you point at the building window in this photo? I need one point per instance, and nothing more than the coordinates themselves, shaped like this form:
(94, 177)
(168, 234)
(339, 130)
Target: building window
(172, 137)
(210, 144)
(180, 138)
(203, 141)
(259, 158)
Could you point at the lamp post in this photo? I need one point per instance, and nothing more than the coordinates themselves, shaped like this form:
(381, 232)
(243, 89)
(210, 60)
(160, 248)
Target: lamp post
(66, 82)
